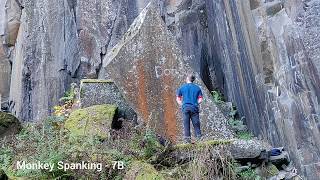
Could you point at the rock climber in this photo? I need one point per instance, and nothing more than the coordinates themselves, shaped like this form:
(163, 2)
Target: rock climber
(189, 96)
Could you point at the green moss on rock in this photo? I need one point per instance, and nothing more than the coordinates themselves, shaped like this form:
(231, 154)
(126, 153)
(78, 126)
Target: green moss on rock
(201, 144)
(272, 170)
(8, 124)
(143, 171)
(92, 121)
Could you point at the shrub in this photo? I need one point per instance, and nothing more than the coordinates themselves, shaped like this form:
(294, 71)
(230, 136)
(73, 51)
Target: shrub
(151, 144)
(217, 97)
(233, 112)
(6, 156)
(34, 143)
(237, 125)
(249, 174)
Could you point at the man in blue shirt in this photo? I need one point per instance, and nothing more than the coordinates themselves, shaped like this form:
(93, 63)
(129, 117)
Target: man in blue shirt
(189, 96)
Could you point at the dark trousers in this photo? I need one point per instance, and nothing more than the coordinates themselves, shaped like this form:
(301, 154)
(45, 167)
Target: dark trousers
(191, 113)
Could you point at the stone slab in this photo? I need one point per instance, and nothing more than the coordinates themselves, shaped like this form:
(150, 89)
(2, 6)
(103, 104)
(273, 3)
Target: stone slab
(98, 92)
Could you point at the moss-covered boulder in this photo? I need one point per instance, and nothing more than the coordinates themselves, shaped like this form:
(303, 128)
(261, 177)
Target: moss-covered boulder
(143, 171)
(9, 124)
(92, 121)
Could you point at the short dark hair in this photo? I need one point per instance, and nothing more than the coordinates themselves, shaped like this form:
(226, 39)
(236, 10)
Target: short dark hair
(191, 77)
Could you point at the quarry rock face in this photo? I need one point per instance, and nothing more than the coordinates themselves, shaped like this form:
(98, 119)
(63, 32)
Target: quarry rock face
(43, 58)
(100, 25)
(9, 25)
(5, 74)
(58, 42)
(262, 55)
(266, 63)
(148, 68)
(97, 92)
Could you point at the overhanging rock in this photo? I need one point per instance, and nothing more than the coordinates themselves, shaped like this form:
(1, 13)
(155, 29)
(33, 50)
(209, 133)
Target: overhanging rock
(98, 92)
(148, 68)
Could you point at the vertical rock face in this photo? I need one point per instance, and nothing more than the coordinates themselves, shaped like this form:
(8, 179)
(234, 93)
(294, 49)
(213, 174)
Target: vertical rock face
(309, 22)
(148, 68)
(262, 54)
(188, 21)
(45, 54)
(266, 66)
(5, 72)
(100, 25)
(291, 80)
(58, 42)
(9, 25)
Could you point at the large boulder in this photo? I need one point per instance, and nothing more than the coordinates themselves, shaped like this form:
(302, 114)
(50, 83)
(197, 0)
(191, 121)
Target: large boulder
(148, 68)
(9, 124)
(92, 121)
(98, 91)
(248, 149)
(241, 150)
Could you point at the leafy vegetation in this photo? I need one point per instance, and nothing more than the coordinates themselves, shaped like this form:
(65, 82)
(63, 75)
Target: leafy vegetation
(151, 144)
(69, 95)
(32, 144)
(236, 124)
(249, 174)
(217, 97)
(66, 102)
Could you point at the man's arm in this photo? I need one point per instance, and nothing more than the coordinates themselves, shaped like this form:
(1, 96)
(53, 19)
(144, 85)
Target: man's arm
(179, 100)
(179, 97)
(200, 97)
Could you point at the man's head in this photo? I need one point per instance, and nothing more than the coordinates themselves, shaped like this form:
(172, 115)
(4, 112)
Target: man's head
(190, 78)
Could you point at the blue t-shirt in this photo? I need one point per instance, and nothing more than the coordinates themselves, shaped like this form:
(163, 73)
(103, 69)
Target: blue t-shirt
(190, 94)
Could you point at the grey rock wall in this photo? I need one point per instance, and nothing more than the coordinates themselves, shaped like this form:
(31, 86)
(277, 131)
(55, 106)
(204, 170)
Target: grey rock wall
(10, 12)
(45, 53)
(60, 42)
(264, 57)
(262, 54)
(266, 64)
(292, 87)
